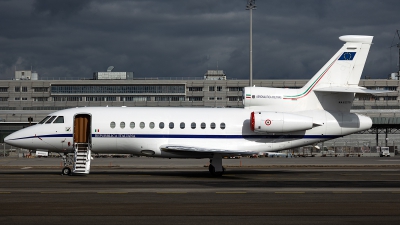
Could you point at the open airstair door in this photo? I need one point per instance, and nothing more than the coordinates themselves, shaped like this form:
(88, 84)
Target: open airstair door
(82, 144)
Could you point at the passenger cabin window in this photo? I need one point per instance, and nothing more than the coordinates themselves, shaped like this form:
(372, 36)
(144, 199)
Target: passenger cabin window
(51, 119)
(161, 125)
(203, 125)
(171, 125)
(142, 125)
(59, 119)
(112, 124)
(212, 125)
(132, 125)
(151, 125)
(44, 120)
(193, 125)
(182, 125)
(122, 125)
(222, 126)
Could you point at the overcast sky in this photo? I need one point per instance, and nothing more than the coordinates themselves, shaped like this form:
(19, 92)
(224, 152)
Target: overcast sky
(292, 39)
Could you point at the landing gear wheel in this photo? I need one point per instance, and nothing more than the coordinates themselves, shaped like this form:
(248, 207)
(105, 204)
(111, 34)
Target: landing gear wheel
(211, 168)
(66, 171)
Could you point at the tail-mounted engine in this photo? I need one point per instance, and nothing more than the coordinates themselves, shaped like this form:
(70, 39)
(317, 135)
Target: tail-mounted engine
(277, 122)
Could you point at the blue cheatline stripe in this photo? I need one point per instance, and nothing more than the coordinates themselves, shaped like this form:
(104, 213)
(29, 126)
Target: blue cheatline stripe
(209, 136)
(188, 136)
(43, 136)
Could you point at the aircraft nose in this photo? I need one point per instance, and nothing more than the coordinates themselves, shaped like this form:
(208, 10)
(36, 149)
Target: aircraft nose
(7, 139)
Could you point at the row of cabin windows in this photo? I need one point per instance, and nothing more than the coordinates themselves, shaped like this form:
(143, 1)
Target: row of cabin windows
(171, 125)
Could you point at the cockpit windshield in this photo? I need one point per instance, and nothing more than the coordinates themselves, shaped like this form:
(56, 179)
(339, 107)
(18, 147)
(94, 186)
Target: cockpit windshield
(59, 119)
(44, 120)
(51, 119)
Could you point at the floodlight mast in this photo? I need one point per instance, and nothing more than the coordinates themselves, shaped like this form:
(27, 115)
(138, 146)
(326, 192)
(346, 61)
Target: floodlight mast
(251, 4)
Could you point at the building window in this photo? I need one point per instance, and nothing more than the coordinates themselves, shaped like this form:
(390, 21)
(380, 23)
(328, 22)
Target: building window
(132, 125)
(112, 124)
(169, 98)
(234, 98)
(24, 89)
(219, 88)
(117, 89)
(235, 88)
(390, 98)
(212, 125)
(211, 88)
(193, 125)
(182, 125)
(195, 99)
(40, 89)
(161, 125)
(142, 125)
(40, 99)
(17, 89)
(122, 125)
(171, 125)
(211, 98)
(24, 99)
(3, 99)
(135, 98)
(195, 88)
(219, 98)
(68, 98)
(3, 89)
(17, 98)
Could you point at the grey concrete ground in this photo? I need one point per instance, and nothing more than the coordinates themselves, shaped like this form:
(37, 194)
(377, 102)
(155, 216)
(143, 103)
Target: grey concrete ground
(145, 162)
(181, 191)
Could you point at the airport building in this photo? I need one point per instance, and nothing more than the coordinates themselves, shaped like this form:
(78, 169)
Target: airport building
(26, 96)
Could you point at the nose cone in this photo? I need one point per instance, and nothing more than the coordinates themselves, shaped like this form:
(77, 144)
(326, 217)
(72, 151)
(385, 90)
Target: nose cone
(18, 139)
(12, 139)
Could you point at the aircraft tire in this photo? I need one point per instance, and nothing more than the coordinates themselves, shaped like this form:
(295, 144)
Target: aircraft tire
(66, 171)
(213, 173)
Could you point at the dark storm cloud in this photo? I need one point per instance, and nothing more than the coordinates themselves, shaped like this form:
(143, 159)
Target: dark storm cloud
(291, 39)
(61, 8)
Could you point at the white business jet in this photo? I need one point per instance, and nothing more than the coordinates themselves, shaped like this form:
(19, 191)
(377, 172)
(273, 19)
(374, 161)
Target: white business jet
(272, 119)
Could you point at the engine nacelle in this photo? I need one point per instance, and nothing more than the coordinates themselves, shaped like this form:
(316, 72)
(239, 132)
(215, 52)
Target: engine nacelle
(277, 122)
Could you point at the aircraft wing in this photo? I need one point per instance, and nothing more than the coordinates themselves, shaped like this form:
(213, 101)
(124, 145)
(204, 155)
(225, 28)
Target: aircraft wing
(360, 90)
(197, 150)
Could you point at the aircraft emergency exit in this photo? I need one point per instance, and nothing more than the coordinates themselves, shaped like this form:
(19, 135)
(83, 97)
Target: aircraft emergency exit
(272, 119)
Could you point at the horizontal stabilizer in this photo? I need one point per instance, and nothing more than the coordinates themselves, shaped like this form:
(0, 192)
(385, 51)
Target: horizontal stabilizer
(358, 89)
(189, 149)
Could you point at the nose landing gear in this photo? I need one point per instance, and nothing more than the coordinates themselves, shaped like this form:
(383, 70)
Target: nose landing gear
(68, 162)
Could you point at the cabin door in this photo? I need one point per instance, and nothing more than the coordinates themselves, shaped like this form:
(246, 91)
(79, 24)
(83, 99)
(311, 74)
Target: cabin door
(82, 128)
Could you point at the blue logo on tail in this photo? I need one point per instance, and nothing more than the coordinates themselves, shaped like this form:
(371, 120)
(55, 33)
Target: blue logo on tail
(347, 56)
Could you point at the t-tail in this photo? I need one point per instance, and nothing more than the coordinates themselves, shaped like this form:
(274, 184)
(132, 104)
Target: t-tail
(332, 88)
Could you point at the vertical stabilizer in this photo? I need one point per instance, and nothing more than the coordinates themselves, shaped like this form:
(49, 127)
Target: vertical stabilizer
(344, 69)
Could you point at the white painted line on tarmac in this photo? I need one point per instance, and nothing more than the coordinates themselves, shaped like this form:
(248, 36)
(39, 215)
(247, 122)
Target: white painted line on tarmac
(290, 192)
(24, 168)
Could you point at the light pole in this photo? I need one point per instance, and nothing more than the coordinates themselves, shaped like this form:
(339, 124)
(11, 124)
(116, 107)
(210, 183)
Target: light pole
(251, 4)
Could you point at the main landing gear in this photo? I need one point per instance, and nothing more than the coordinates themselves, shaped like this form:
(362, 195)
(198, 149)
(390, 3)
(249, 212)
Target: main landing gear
(216, 169)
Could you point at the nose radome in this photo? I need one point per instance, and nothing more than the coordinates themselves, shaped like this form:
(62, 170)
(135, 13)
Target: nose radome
(7, 139)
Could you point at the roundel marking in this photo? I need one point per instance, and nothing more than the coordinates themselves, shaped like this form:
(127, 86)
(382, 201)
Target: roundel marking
(268, 122)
